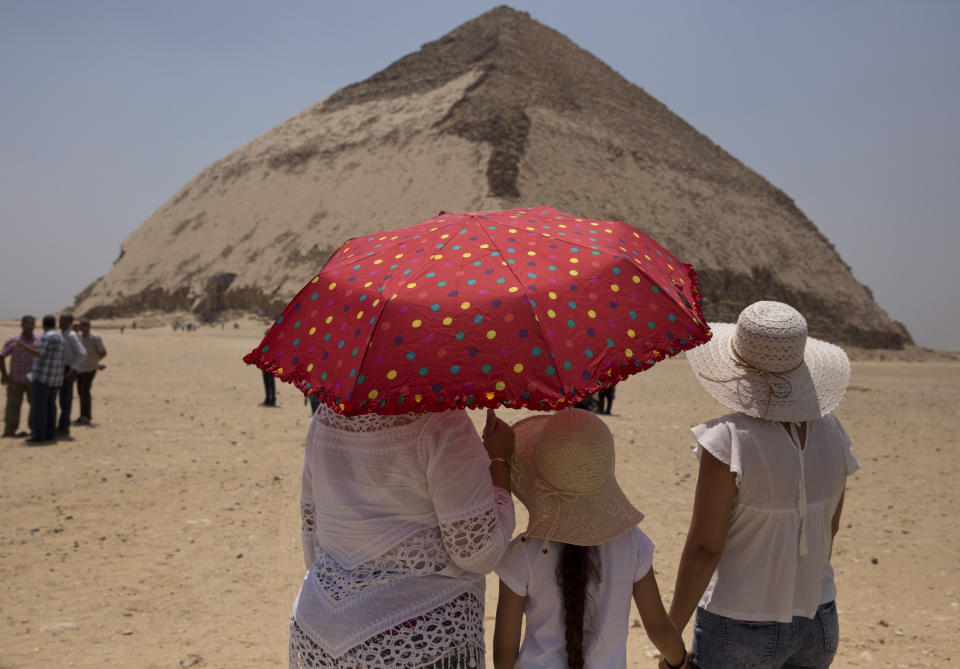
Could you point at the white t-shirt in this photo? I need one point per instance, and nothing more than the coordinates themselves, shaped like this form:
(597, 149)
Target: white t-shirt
(775, 562)
(529, 572)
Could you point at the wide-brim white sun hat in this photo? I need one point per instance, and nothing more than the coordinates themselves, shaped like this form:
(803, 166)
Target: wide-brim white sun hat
(562, 470)
(767, 366)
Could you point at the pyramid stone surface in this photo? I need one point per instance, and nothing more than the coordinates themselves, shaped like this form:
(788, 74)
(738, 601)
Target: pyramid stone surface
(502, 112)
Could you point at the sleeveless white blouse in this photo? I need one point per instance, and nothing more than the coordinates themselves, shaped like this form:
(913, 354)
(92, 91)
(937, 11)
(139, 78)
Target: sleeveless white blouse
(775, 562)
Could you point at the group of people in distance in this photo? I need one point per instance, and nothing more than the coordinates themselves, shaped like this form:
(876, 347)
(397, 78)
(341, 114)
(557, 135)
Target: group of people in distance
(403, 515)
(44, 369)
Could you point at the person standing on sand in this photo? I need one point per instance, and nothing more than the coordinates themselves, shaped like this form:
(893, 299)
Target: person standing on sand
(770, 490)
(401, 516)
(87, 368)
(73, 351)
(582, 558)
(46, 377)
(16, 381)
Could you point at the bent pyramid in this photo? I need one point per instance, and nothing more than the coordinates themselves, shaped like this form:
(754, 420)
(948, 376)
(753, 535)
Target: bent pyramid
(502, 112)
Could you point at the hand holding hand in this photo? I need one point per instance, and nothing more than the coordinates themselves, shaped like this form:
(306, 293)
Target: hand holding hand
(498, 437)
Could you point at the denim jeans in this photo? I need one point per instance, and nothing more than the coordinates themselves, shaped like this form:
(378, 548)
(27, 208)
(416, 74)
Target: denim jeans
(803, 643)
(44, 411)
(66, 401)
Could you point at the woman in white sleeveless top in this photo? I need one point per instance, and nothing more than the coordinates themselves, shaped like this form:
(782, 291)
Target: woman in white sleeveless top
(756, 563)
(402, 516)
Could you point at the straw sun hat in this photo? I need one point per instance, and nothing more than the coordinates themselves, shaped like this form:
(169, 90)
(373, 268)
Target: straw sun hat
(562, 471)
(767, 367)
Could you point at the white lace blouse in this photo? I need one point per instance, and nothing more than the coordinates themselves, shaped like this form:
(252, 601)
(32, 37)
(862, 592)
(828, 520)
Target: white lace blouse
(400, 522)
(776, 560)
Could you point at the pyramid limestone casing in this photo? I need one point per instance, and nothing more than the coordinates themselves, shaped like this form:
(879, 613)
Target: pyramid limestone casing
(501, 112)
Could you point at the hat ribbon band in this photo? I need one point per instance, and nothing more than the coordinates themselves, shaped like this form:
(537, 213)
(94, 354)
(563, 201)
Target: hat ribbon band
(750, 370)
(546, 491)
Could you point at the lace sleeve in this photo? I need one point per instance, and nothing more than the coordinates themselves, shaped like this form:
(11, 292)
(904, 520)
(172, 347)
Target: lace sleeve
(476, 519)
(477, 541)
(308, 516)
(308, 520)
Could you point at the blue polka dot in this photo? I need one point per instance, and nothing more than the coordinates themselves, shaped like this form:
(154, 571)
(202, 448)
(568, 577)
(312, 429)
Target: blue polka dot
(411, 355)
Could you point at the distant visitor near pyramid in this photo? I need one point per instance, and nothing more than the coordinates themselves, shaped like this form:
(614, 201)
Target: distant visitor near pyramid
(501, 112)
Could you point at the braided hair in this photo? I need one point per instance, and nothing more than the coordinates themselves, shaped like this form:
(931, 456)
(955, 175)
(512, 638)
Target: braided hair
(575, 569)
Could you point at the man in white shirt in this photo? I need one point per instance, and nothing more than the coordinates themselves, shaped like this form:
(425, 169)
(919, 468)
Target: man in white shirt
(87, 368)
(73, 351)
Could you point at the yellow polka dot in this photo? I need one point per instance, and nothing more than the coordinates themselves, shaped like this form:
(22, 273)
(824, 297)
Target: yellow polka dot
(518, 368)
(373, 394)
(490, 396)
(552, 295)
(378, 261)
(608, 230)
(500, 385)
(631, 333)
(316, 278)
(531, 253)
(647, 257)
(376, 302)
(359, 315)
(328, 320)
(418, 398)
(669, 266)
(447, 320)
(467, 255)
(574, 260)
(312, 330)
(512, 289)
(512, 231)
(417, 323)
(392, 374)
(464, 305)
(368, 284)
(614, 287)
(574, 272)
(628, 353)
(636, 278)
(436, 256)
(411, 285)
(551, 313)
(591, 313)
(444, 236)
(332, 286)
(491, 334)
(310, 367)
(398, 256)
(484, 246)
(279, 370)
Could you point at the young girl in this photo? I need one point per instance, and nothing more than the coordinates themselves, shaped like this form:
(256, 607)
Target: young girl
(581, 559)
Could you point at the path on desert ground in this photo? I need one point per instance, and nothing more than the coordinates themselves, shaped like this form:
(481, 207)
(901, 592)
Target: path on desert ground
(168, 533)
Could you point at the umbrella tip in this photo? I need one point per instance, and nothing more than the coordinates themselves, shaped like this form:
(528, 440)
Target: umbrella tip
(442, 212)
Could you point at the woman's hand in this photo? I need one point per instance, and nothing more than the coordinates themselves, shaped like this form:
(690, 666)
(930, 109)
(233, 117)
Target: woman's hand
(498, 437)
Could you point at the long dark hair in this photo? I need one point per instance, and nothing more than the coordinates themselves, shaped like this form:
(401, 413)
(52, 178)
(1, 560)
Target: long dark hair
(575, 569)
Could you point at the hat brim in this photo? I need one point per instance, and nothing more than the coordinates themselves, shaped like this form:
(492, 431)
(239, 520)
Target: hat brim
(809, 392)
(591, 520)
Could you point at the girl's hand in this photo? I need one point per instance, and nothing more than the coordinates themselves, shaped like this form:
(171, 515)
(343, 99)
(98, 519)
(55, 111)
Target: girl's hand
(498, 437)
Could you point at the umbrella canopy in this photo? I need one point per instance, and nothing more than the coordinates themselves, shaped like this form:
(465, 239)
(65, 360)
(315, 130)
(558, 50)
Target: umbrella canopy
(525, 308)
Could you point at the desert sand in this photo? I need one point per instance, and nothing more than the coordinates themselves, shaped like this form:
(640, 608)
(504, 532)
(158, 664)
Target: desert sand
(167, 534)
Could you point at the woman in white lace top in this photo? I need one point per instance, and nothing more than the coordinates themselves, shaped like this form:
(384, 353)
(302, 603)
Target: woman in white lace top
(401, 517)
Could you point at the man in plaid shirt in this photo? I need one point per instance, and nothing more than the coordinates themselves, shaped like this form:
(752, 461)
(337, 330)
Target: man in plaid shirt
(47, 377)
(16, 381)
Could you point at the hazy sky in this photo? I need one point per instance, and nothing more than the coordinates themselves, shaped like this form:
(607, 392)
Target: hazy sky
(852, 108)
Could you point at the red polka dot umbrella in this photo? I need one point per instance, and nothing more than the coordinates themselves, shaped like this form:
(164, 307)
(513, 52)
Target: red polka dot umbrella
(525, 308)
